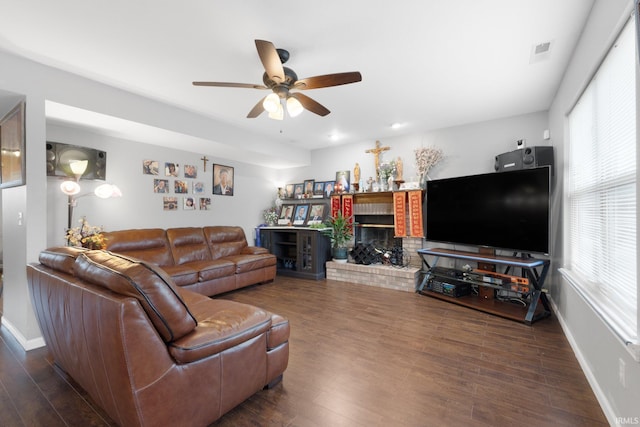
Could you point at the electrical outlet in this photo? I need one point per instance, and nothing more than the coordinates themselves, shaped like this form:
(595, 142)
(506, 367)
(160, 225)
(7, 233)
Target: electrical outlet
(621, 373)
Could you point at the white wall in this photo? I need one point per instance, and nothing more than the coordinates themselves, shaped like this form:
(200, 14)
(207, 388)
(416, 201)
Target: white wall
(597, 348)
(37, 84)
(468, 149)
(140, 207)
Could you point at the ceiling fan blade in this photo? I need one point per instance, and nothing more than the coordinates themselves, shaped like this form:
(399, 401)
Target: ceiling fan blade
(270, 60)
(221, 84)
(328, 80)
(311, 105)
(256, 110)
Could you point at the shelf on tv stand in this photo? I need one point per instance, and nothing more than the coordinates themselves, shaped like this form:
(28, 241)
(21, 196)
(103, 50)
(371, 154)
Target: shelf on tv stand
(532, 312)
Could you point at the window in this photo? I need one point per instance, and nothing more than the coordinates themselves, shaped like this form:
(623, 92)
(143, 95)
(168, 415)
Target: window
(601, 189)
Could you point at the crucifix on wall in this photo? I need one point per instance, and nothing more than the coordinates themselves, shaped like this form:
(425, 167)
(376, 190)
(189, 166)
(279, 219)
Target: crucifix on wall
(204, 161)
(376, 156)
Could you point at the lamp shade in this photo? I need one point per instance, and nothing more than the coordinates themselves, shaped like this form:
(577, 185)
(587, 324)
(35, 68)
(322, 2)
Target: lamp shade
(278, 114)
(271, 103)
(78, 167)
(70, 188)
(294, 107)
(106, 191)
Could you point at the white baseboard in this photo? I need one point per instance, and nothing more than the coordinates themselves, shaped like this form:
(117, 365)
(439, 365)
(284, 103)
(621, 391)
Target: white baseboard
(595, 386)
(25, 343)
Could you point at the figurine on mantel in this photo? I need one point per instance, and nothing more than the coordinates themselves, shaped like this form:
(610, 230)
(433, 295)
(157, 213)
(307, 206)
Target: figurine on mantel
(399, 169)
(370, 184)
(398, 180)
(356, 177)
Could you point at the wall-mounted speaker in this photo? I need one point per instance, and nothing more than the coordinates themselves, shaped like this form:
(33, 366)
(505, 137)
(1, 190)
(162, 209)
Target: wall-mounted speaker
(59, 155)
(529, 157)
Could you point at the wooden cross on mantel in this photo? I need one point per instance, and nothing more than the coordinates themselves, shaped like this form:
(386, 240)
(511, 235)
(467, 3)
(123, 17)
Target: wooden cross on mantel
(204, 161)
(376, 156)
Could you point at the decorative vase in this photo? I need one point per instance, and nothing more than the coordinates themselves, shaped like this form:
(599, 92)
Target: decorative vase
(384, 184)
(423, 180)
(340, 255)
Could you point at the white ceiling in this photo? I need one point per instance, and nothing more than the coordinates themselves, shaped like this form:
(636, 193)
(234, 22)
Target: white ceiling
(426, 64)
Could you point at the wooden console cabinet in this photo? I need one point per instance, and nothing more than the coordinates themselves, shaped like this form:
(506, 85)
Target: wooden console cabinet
(301, 252)
(537, 306)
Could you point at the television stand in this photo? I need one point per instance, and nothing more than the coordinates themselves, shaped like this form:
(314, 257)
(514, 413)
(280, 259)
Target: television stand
(535, 307)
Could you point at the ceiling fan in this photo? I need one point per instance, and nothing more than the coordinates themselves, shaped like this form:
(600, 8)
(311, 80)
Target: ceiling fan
(282, 81)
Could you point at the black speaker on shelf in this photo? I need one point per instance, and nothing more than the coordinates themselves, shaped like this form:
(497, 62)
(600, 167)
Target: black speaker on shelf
(525, 158)
(59, 155)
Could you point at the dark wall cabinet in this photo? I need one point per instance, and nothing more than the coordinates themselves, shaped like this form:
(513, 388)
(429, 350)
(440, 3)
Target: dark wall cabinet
(301, 252)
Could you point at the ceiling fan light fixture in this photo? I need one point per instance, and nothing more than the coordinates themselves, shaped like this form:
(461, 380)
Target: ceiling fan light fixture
(271, 103)
(294, 107)
(278, 114)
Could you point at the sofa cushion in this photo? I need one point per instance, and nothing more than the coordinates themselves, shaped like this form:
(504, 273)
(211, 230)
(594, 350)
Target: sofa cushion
(61, 258)
(246, 263)
(188, 244)
(150, 245)
(224, 240)
(215, 269)
(182, 275)
(144, 281)
(222, 324)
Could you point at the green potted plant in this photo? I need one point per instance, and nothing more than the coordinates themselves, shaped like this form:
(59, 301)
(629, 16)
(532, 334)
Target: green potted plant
(340, 231)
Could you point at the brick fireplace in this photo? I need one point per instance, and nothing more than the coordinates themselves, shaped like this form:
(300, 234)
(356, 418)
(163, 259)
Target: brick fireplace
(374, 217)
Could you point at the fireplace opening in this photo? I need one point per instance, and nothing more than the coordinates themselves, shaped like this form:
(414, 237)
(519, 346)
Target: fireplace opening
(375, 242)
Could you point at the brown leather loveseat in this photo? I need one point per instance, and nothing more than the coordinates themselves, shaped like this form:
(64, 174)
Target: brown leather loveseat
(208, 260)
(148, 352)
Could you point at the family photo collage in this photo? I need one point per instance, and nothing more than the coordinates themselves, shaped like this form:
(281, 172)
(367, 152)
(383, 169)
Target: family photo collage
(181, 187)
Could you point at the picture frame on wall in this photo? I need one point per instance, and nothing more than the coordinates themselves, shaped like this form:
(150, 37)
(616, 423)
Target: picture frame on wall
(222, 180)
(12, 148)
(298, 190)
(180, 187)
(188, 203)
(161, 186)
(318, 188)
(308, 186)
(171, 169)
(286, 214)
(288, 191)
(317, 213)
(328, 188)
(190, 171)
(204, 203)
(198, 187)
(300, 215)
(150, 167)
(170, 203)
(343, 181)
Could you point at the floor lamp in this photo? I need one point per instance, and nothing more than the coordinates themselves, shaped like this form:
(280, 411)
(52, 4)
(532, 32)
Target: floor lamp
(71, 188)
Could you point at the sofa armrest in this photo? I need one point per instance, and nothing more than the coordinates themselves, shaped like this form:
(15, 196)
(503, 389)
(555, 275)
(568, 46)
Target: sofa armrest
(222, 324)
(253, 250)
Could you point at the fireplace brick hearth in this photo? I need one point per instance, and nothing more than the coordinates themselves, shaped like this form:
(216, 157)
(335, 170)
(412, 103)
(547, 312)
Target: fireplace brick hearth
(378, 275)
(382, 276)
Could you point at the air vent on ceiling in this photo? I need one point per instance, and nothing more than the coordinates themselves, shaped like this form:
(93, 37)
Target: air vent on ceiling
(542, 48)
(540, 52)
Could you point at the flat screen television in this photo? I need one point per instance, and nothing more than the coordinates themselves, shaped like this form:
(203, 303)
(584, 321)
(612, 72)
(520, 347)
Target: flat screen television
(502, 210)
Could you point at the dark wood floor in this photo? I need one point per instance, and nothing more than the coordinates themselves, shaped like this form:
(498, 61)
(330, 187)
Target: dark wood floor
(362, 356)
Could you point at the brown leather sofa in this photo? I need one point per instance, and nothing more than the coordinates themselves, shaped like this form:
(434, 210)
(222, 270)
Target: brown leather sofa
(148, 352)
(207, 260)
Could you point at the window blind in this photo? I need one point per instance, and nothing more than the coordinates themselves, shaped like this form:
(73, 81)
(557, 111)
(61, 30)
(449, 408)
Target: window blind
(601, 189)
